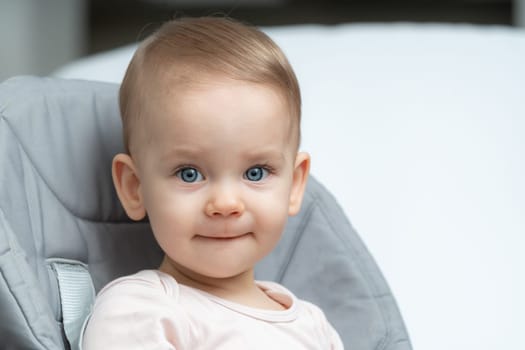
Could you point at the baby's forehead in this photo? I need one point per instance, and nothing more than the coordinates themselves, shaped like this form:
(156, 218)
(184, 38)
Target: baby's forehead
(184, 83)
(173, 90)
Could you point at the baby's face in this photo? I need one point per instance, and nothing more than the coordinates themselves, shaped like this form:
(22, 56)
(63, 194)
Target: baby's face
(216, 175)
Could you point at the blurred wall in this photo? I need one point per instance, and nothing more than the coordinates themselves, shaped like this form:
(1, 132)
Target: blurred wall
(37, 36)
(518, 13)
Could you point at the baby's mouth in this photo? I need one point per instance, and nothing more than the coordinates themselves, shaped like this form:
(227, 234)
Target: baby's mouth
(223, 237)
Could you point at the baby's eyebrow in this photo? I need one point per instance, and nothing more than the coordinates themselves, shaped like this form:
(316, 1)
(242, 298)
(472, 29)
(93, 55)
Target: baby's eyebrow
(180, 152)
(257, 155)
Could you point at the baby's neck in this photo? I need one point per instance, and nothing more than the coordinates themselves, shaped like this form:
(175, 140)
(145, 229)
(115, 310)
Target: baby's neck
(240, 289)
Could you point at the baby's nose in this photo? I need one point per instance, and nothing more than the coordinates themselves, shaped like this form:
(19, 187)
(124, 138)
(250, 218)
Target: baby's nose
(224, 201)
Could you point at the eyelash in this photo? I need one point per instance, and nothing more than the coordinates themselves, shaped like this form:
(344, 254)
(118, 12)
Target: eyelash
(181, 167)
(271, 170)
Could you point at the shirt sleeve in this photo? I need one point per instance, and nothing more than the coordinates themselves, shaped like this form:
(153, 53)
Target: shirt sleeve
(327, 331)
(134, 313)
(331, 334)
(335, 341)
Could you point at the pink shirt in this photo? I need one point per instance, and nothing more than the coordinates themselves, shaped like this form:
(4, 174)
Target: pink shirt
(150, 310)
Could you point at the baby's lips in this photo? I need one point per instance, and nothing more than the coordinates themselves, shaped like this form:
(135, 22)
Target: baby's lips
(223, 235)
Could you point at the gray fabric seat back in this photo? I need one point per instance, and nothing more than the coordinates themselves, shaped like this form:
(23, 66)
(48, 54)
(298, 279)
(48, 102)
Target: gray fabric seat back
(57, 203)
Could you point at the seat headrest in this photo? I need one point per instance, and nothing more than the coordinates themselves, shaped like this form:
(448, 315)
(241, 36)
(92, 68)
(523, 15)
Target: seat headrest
(44, 114)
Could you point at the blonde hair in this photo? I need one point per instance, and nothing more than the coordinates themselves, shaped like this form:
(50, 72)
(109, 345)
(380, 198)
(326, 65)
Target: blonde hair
(184, 48)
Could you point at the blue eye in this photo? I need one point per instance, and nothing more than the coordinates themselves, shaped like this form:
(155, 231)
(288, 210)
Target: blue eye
(256, 173)
(189, 175)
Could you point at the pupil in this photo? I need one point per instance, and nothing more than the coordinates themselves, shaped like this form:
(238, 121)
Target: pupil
(254, 174)
(188, 174)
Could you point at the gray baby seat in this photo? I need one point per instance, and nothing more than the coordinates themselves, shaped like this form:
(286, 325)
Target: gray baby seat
(64, 235)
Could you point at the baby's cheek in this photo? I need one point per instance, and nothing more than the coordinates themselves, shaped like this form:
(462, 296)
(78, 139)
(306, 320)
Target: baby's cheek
(275, 212)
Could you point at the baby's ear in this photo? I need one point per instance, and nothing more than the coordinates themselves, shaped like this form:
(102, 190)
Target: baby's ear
(300, 177)
(127, 185)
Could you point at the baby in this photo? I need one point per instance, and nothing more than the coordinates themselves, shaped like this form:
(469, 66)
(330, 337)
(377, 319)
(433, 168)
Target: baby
(211, 114)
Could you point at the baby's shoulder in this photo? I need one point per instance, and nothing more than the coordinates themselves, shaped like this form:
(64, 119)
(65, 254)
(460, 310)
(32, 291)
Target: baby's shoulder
(287, 298)
(142, 286)
(135, 310)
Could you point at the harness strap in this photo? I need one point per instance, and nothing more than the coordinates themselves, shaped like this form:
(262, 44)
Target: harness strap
(77, 295)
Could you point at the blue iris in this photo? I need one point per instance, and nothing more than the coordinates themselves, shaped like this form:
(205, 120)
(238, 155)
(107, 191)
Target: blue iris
(189, 175)
(256, 173)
